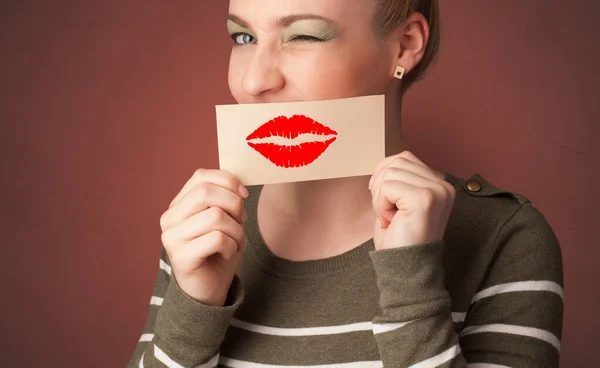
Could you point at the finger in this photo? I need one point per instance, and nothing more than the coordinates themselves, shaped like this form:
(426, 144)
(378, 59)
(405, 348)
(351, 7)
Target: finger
(205, 222)
(396, 196)
(409, 160)
(411, 157)
(402, 172)
(384, 203)
(217, 177)
(396, 174)
(200, 198)
(389, 175)
(381, 165)
(424, 170)
(215, 242)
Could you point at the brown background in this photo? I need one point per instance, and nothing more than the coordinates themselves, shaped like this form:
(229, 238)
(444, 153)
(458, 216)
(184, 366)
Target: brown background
(108, 107)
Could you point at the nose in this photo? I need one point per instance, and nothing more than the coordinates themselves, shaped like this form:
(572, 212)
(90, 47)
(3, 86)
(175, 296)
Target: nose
(263, 75)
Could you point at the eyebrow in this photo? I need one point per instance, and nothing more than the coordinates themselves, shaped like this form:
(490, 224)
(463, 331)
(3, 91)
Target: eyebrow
(283, 22)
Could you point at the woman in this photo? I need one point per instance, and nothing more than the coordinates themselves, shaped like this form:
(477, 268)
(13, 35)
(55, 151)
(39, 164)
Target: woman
(409, 267)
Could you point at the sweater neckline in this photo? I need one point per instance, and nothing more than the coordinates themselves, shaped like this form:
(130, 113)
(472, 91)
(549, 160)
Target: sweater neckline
(285, 268)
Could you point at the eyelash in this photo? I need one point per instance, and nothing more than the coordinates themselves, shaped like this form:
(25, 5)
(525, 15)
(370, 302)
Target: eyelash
(298, 38)
(304, 38)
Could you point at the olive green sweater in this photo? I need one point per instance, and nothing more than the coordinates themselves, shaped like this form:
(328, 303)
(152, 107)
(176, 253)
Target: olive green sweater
(489, 295)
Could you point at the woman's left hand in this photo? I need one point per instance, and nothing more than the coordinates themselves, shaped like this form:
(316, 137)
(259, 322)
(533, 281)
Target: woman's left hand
(411, 202)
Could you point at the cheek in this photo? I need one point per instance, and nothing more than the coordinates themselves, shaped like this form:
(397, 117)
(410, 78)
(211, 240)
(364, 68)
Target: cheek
(327, 76)
(316, 75)
(234, 76)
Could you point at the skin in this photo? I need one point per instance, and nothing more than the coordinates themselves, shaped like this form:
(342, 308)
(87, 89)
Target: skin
(404, 203)
(268, 65)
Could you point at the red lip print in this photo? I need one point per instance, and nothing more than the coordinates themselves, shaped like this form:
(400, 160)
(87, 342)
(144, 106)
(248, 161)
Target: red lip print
(291, 155)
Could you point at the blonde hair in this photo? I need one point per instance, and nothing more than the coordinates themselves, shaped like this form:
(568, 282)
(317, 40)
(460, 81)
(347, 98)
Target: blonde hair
(389, 14)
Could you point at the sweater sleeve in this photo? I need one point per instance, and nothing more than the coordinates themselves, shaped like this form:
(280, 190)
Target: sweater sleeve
(515, 318)
(179, 331)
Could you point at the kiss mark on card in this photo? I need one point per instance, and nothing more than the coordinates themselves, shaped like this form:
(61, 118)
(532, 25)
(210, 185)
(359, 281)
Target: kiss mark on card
(279, 142)
(291, 155)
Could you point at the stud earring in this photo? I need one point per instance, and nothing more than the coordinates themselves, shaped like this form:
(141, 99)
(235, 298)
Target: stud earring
(399, 73)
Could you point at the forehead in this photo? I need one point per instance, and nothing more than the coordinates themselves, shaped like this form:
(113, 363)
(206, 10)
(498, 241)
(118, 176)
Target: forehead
(262, 11)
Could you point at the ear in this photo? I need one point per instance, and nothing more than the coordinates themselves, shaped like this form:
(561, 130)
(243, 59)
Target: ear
(409, 40)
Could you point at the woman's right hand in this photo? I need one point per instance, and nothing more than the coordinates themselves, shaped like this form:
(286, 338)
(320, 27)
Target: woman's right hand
(203, 234)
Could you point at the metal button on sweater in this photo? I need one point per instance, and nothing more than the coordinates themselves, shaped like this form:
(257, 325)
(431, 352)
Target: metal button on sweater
(473, 186)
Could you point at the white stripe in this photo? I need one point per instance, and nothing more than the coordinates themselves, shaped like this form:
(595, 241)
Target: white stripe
(211, 363)
(486, 365)
(233, 363)
(386, 327)
(142, 360)
(163, 265)
(156, 300)
(305, 331)
(146, 337)
(164, 359)
(458, 317)
(520, 286)
(377, 328)
(516, 330)
(439, 359)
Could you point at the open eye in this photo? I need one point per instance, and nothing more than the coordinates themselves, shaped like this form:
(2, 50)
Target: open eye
(242, 38)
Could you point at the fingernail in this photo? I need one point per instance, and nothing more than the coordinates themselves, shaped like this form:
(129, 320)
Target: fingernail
(370, 183)
(379, 222)
(244, 216)
(243, 192)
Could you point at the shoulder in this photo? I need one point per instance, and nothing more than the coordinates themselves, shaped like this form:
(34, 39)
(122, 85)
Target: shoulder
(482, 204)
(502, 225)
(477, 190)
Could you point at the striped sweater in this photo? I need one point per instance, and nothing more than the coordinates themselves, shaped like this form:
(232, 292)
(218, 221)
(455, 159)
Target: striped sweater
(489, 295)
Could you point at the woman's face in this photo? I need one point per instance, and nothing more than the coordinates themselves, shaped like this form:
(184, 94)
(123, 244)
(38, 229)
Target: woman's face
(302, 50)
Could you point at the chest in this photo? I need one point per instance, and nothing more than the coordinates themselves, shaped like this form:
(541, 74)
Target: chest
(304, 321)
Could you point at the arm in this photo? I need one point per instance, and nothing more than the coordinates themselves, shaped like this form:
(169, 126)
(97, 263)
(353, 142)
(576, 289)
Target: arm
(179, 331)
(515, 319)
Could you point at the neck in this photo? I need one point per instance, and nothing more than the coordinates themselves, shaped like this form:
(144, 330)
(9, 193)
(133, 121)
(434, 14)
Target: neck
(344, 200)
(394, 141)
(325, 202)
